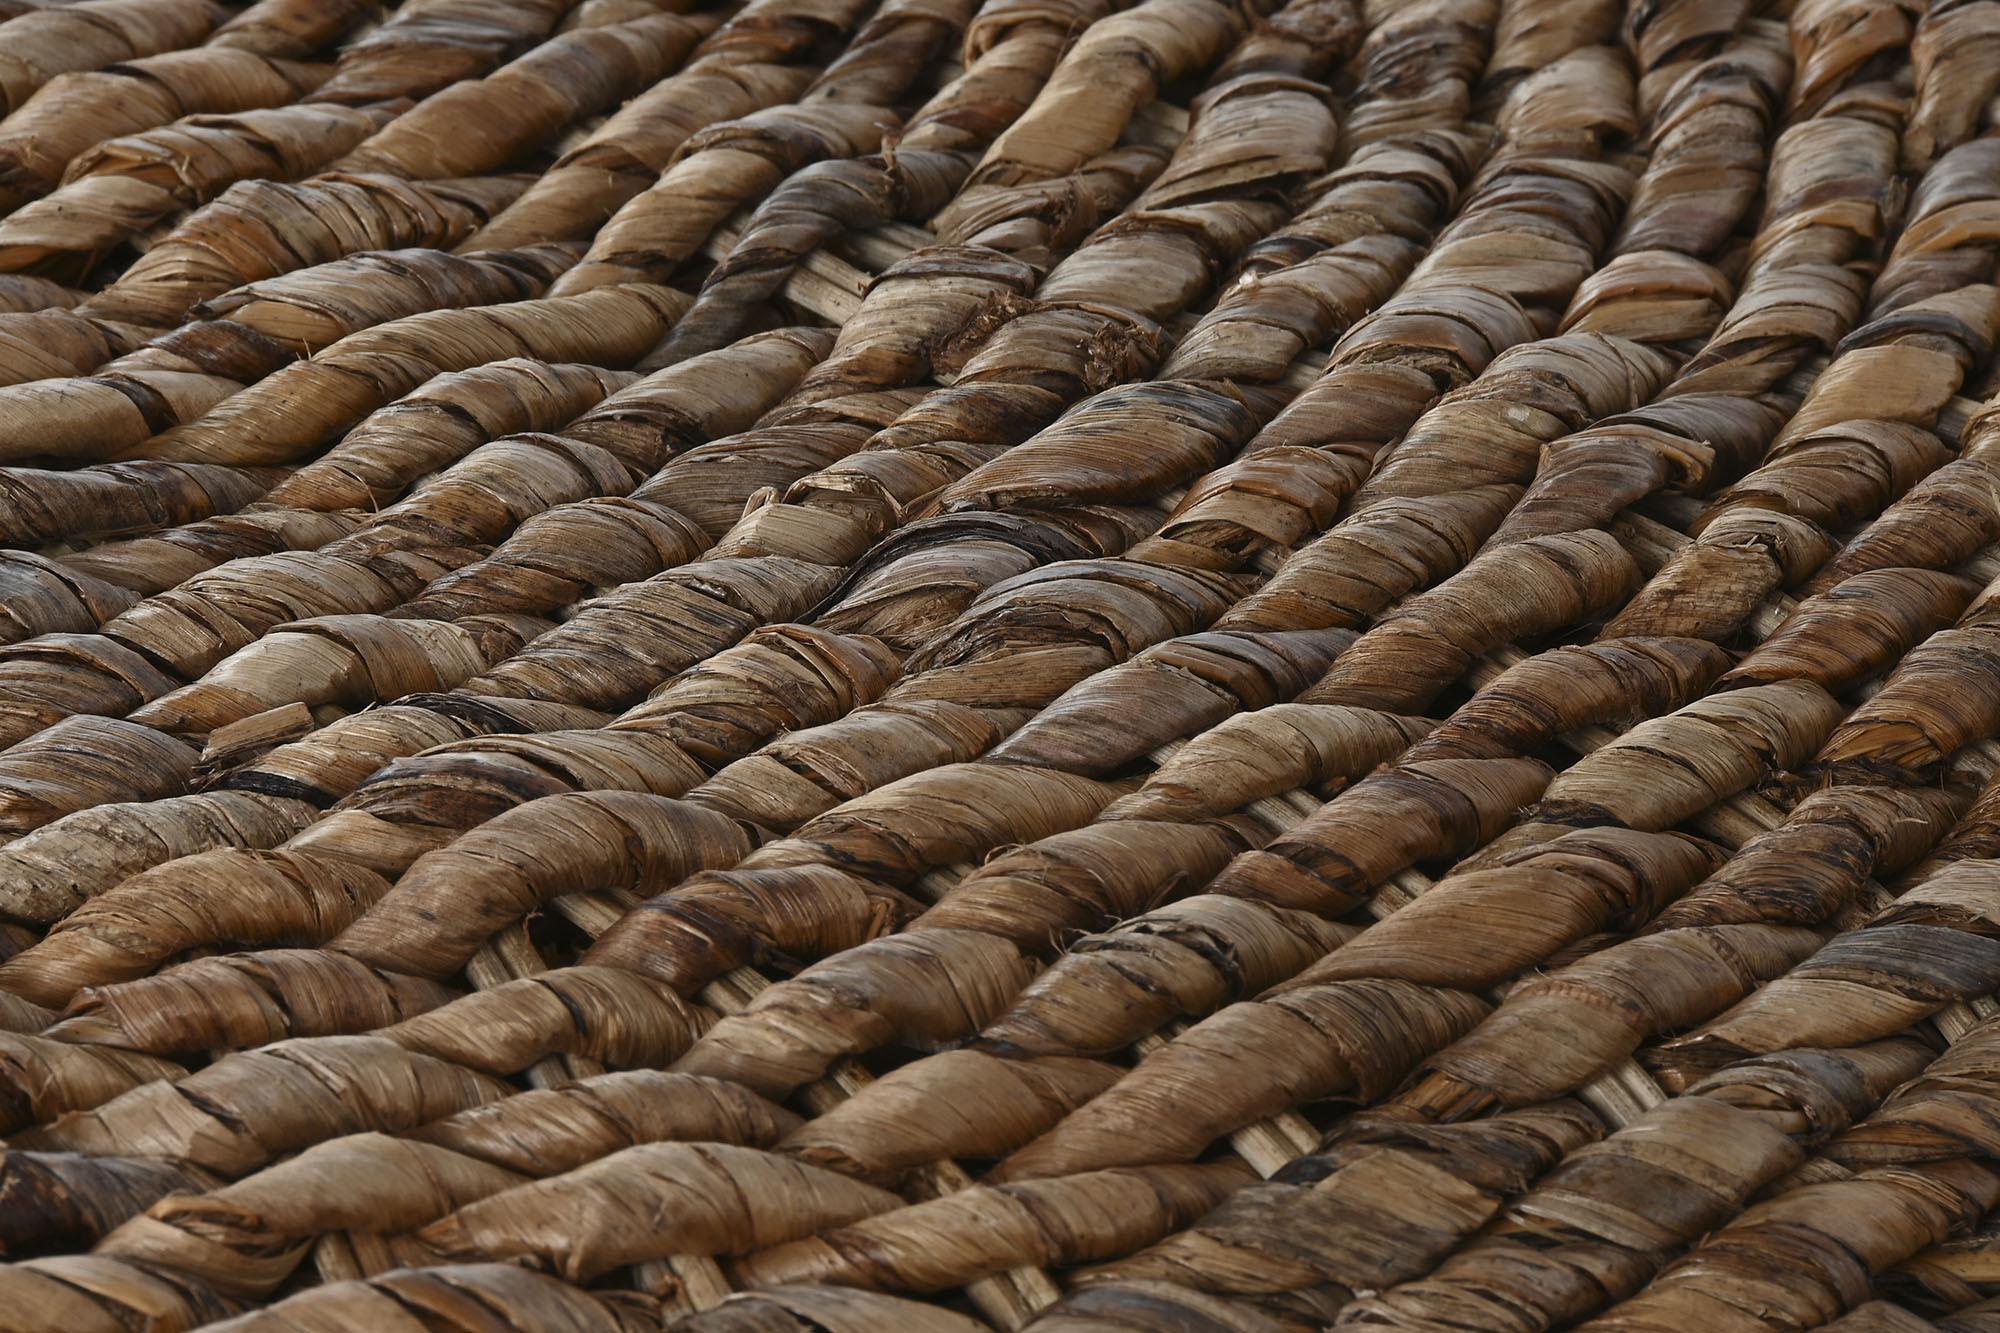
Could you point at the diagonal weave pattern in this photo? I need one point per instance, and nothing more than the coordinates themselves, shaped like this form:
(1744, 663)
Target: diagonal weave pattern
(1147, 666)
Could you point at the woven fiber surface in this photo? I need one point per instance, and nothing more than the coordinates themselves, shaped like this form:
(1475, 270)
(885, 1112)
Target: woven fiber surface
(1180, 666)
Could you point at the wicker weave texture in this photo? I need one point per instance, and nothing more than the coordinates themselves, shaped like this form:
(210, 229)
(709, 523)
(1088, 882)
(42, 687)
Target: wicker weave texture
(1145, 666)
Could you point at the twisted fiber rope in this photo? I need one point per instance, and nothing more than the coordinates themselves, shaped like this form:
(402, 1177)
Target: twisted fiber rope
(1040, 665)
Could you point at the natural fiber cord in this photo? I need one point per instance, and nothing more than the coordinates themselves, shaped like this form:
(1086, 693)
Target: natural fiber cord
(1089, 666)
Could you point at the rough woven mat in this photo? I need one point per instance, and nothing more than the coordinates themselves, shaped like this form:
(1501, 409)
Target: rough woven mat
(820, 666)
